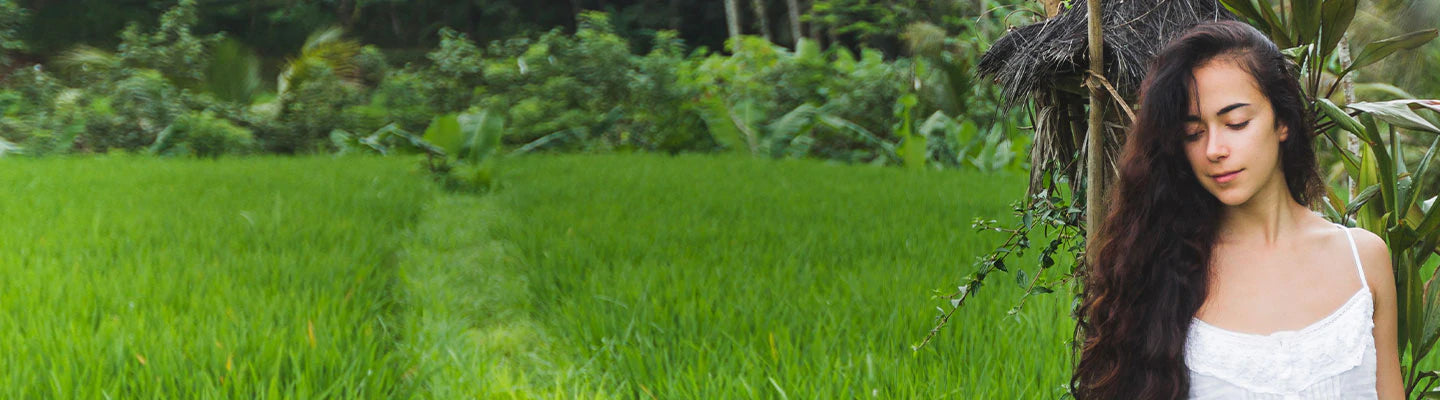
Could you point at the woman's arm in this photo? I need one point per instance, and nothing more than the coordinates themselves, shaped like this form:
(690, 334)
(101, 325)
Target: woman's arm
(1375, 259)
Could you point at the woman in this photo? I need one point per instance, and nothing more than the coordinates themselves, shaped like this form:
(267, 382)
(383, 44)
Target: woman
(1212, 278)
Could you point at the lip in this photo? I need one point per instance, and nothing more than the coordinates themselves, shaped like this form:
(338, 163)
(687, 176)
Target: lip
(1226, 177)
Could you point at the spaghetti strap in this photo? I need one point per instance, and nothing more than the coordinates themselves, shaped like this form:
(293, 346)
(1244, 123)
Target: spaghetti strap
(1356, 253)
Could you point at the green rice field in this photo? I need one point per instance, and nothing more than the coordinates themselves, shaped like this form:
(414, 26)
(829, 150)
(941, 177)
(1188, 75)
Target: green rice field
(594, 276)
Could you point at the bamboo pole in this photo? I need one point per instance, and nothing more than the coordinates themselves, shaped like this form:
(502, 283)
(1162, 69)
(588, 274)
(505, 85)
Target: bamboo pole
(1095, 172)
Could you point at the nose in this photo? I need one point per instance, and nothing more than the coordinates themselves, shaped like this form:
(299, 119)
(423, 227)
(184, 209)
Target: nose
(1215, 147)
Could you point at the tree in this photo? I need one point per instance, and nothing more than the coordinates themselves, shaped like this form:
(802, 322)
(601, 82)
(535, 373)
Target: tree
(732, 18)
(758, 6)
(793, 7)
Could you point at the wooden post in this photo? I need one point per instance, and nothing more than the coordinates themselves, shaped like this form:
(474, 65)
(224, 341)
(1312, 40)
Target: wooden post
(1095, 171)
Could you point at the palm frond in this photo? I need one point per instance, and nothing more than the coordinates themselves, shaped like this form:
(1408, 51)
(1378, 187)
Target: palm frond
(84, 59)
(234, 72)
(325, 48)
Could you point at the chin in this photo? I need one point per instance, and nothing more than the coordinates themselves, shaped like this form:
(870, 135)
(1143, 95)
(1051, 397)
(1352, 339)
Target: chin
(1232, 197)
(1233, 202)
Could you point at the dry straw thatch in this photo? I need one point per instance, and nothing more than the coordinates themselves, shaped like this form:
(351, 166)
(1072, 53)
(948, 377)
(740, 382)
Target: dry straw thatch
(1046, 63)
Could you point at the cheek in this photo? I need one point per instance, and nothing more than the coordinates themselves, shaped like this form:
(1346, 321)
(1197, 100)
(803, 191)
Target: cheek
(1195, 154)
(1265, 143)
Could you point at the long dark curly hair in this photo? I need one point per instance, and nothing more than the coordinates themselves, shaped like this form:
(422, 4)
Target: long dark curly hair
(1150, 265)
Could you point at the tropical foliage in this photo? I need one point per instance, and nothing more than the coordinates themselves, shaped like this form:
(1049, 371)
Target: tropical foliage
(12, 17)
(165, 85)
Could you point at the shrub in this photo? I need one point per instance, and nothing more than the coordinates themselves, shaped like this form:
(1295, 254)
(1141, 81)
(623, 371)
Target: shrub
(407, 97)
(372, 64)
(171, 49)
(586, 86)
(761, 83)
(662, 117)
(202, 134)
(531, 81)
(132, 113)
(11, 18)
(310, 111)
(34, 89)
(864, 91)
(455, 73)
(28, 116)
(46, 117)
(10, 102)
(457, 57)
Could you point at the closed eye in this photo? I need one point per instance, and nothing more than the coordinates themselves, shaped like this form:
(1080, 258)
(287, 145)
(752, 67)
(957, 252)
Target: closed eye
(1241, 125)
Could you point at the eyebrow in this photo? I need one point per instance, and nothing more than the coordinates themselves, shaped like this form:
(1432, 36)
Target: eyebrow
(1229, 108)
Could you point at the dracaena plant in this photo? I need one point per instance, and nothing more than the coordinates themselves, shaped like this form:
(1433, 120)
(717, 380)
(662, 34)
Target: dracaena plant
(1394, 204)
(1312, 32)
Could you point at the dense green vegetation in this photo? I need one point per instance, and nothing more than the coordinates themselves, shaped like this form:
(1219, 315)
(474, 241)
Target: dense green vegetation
(276, 27)
(169, 86)
(586, 276)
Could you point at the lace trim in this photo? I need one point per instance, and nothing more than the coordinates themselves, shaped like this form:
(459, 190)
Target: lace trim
(1286, 361)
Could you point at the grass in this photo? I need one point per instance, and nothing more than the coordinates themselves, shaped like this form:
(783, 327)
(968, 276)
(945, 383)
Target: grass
(257, 278)
(468, 312)
(617, 276)
(642, 276)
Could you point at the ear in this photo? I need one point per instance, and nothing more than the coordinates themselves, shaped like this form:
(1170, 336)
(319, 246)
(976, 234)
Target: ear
(1284, 132)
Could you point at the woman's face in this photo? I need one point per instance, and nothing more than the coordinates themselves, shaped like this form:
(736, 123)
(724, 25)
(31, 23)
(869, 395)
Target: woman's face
(1231, 138)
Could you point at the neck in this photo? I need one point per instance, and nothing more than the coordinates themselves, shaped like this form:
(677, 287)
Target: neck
(1269, 215)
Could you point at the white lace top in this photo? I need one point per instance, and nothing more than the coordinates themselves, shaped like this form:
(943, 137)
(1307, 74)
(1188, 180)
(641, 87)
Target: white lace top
(1333, 358)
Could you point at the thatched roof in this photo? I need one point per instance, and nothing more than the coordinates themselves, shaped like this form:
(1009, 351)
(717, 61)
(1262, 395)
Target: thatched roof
(1036, 56)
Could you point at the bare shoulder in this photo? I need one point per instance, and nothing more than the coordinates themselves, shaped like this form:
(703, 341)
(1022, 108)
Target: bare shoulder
(1374, 257)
